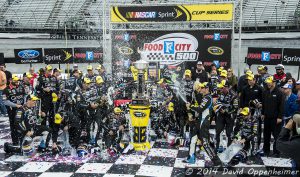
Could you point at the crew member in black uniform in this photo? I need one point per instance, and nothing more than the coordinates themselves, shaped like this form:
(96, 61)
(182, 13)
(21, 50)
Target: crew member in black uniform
(13, 97)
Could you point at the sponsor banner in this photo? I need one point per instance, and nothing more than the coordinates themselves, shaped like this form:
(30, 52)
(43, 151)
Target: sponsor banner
(291, 57)
(88, 55)
(77, 36)
(170, 48)
(25, 56)
(196, 12)
(58, 55)
(264, 56)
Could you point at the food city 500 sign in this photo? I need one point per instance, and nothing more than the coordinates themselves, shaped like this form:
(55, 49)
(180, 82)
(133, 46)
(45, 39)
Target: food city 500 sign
(170, 48)
(196, 12)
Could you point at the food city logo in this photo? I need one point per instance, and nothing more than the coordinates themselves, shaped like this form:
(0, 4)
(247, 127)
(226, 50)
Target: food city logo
(215, 50)
(264, 56)
(28, 54)
(173, 48)
(61, 57)
(126, 37)
(216, 36)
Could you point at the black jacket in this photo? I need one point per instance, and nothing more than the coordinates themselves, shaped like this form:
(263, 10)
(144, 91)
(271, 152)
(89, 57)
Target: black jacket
(242, 83)
(273, 103)
(249, 94)
(203, 77)
(289, 146)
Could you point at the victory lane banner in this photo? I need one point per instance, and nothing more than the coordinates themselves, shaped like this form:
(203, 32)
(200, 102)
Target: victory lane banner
(58, 55)
(25, 56)
(196, 12)
(88, 55)
(264, 56)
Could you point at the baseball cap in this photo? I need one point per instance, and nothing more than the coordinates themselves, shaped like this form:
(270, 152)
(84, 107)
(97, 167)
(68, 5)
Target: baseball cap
(298, 82)
(220, 86)
(89, 67)
(261, 67)
(48, 67)
(269, 80)
(117, 110)
(99, 80)
(33, 98)
(99, 67)
(199, 63)
(225, 83)
(249, 72)
(188, 72)
(15, 78)
(223, 73)
(87, 80)
(221, 69)
(28, 75)
(250, 77)
(203, 85)
(287, 86)
(245, 111)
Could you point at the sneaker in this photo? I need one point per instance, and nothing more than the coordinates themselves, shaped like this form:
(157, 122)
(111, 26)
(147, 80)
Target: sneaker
(191, 160)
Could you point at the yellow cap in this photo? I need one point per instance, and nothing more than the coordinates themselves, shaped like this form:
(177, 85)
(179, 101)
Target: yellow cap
(188, 72)
(48, 67)
(261, 67)
(171, 107)
(99, 80)
(245, 111)
(89, 67)
(87, 80)
(223, 75)
(29, 75)
(220, 85)
(249, 72)
(230, 70)
(34, 98)
(15, 78)
(58, 119)
(221, 69)
(224, 72)
(117, 110)
(250, 77)
(203, 85)
(160, 81)
(54, 97)
(99, 67)
(269, 80)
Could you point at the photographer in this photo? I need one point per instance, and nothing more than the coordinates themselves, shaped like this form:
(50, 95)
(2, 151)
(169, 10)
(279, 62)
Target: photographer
(287, 144)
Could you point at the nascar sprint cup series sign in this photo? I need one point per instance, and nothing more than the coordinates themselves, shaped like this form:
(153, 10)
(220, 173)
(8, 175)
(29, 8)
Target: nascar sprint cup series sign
(171, 48)
(196, 12)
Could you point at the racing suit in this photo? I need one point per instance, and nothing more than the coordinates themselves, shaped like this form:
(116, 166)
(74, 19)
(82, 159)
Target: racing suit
(224, 115)
(13, 96)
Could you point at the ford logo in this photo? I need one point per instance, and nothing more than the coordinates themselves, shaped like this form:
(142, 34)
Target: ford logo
(215, 50)
(28, 54)
(139, 114)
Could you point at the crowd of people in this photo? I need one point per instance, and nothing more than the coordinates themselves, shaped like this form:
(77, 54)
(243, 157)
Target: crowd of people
(46, 106)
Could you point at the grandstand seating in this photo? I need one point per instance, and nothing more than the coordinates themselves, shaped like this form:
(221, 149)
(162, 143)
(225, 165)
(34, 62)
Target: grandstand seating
(82, 14)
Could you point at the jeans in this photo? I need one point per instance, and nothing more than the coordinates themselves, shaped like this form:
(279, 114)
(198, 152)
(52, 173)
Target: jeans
(2, 107)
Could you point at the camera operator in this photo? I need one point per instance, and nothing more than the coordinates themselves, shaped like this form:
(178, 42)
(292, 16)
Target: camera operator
(287, 144)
